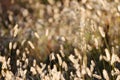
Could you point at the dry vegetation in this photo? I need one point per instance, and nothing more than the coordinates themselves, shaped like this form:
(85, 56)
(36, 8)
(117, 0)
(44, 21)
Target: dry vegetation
(59, 40)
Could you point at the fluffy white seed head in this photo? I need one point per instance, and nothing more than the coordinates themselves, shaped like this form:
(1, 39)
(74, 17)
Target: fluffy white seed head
(15, 45)
(52, 56)
(33, 70)
(10, 45)
(101, 31)
(64, 65)
(105, 74)
(36, 35)
(107, 54)
(15, 29)
(59, 59)
(97, 76)
(31, 44)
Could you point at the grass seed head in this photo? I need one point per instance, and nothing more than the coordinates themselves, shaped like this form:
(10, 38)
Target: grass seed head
(10, 45)
(36, 35)
(105, 74)
(97, 76)
(59, 59)
(31, 44)
(101, 31)
(64, 65)
(15, 45)
(33, 70)
(118, 77)
(15, 29)
(107, 54)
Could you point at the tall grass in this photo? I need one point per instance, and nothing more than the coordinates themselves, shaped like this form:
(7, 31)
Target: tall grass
(60, 40)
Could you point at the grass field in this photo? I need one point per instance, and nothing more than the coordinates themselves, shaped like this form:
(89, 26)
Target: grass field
(59, 40)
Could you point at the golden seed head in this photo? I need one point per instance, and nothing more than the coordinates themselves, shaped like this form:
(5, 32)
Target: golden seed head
(31, 44)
